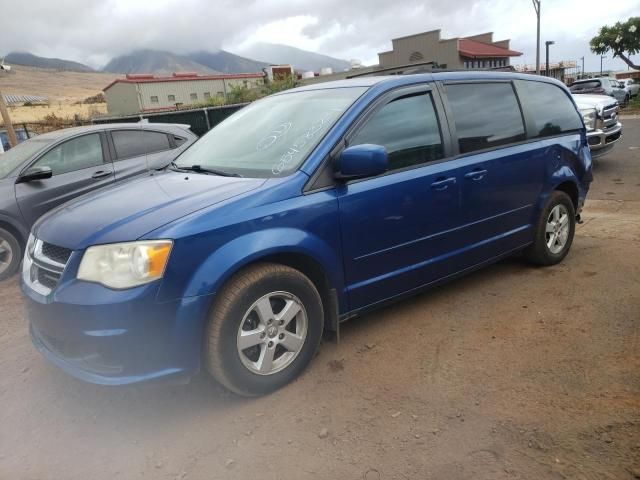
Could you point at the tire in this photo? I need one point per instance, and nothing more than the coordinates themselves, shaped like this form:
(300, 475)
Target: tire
(10, 254)
(544, 251)
(258, 300)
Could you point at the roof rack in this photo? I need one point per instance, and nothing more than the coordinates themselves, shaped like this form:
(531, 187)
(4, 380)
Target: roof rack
(426, 67)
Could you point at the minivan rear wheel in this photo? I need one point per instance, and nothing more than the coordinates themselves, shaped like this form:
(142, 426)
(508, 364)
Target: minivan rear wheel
(10, 254)
(263, 329)
(554, 231)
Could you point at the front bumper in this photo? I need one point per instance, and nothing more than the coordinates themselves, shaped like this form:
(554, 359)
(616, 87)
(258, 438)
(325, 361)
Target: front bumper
(112, 337)
(602, 141)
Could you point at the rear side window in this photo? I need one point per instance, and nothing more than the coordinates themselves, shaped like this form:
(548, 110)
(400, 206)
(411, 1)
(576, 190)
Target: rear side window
(486, 115)
(133, 143)
(549, 108)
(408, 128)
(576, 87)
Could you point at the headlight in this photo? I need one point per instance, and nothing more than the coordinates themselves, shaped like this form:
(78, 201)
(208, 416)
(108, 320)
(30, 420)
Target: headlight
(589, 116)
(125, 265)
(31, 243)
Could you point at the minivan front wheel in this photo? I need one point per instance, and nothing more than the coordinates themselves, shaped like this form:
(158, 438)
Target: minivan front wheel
(10, 254)
(263, 330)
(554, 231)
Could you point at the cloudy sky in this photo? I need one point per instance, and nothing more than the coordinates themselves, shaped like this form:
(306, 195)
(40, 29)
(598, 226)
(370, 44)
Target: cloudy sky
(93, 31)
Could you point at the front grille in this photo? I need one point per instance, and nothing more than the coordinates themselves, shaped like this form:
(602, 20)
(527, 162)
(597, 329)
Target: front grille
(610, 116)
(47, 278)
(56, 253)
(43, 266)
(613, 138)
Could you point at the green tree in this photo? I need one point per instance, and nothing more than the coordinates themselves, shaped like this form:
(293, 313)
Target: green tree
(623, 39)
(242, 94)
(279, 84)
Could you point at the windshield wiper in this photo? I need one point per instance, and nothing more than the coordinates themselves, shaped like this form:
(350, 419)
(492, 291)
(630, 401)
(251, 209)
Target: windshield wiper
(207, 170)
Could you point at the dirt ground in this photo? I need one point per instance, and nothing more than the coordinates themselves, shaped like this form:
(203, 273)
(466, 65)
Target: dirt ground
(513, 372)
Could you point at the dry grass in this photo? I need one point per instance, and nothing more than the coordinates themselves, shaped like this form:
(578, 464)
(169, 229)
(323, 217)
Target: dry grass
(62, 89)
(64, 111)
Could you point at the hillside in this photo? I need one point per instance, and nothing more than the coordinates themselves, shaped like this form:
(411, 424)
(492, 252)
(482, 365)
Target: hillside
(227, 62)
(154, 61)
(300, 59)
(59, 87)
(30, 60)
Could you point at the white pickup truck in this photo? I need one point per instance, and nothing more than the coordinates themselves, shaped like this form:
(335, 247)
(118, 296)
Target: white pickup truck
(600, 114)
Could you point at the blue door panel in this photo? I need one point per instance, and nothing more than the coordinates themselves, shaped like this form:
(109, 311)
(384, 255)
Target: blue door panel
(392, 226)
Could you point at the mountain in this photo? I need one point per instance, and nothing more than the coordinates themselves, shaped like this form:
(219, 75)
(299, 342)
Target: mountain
(154, 61)
(298, 58)
(226, 62)
(30, 60)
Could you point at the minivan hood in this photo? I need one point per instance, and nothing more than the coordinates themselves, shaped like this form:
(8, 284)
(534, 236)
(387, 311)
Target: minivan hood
(128, 211)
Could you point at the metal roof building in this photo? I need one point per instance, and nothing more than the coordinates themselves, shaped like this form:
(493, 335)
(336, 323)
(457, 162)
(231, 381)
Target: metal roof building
(139, 93)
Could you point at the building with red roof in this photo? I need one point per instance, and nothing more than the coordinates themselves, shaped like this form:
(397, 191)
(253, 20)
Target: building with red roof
(141, 92)
(477, 51)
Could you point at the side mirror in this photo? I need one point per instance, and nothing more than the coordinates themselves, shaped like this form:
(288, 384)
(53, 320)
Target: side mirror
(35, 173)
(360, 161)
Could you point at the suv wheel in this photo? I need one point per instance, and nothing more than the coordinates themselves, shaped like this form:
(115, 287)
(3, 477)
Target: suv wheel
(10, 254)
(554, 231)
(263, 330)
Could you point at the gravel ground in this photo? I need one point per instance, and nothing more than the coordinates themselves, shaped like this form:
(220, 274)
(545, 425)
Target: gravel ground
(513, 372)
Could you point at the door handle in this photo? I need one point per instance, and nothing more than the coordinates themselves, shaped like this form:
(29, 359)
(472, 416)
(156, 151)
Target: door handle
(443, 183)
(475, 174)
(101, 174)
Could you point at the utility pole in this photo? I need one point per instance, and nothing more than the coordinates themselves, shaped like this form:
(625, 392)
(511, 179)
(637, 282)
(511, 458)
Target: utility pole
(13, 141)
(546, 65)
(582, 67)
(536, 6)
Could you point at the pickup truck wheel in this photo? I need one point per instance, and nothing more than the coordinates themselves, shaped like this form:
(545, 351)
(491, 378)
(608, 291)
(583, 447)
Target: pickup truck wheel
(263, 330)
(554, 231)
(10, 254)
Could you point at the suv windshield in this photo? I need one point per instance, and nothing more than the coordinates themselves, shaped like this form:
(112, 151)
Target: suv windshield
(271, 137)
(10, 160)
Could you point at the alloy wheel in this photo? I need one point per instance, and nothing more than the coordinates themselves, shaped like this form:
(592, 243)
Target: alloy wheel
(272, 333)
(6, 255)
(557, 229)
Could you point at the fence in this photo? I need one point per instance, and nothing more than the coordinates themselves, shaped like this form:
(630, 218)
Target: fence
(201, 120)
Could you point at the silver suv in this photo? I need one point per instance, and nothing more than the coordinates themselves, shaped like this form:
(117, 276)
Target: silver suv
(601, 86)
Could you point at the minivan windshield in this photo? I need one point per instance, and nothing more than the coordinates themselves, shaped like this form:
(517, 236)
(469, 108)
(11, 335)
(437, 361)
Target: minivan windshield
(271, 137)
(12, 159)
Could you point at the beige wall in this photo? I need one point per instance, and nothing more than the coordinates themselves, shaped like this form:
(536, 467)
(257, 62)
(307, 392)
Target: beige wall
(482, 37)
(183, 89)
(127, 98)
(122, 99)
(428, 44)
(502, 43)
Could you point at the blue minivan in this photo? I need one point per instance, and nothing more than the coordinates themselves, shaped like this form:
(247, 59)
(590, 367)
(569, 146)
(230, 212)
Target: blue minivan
(300, 211)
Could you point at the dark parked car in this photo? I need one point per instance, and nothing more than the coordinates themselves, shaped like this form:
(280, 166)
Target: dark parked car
(300, 211)
(48, 170)
(602, 86)
(5, 146)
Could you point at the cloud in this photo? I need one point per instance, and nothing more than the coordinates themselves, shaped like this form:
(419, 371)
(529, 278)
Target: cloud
(93, 32)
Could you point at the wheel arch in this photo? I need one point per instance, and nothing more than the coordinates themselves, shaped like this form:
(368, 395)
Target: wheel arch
(312, 269)
(309, 254)
(570, 188)
(16, 230)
